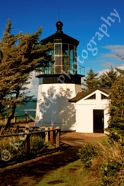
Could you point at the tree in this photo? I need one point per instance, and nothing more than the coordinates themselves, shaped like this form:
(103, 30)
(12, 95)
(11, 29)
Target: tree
(19, 55)
(108, 78)
(91, 80)
(116, 110)
(120, 71)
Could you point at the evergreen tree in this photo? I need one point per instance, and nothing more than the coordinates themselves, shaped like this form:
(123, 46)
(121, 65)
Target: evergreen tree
(116, 110)
(108, 78)
(91, 81)
(19, 55)
(121, 72)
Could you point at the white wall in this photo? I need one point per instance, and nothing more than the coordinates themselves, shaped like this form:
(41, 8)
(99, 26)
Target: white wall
(84, 119)
(53, 106)
(106, 118)
(84, 112)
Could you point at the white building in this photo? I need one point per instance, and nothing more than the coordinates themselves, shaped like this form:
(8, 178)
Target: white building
(60, 101)
(59, 81)
(91, 111)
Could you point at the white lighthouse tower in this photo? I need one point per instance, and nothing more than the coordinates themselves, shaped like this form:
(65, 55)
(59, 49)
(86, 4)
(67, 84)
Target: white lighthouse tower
(59, 82)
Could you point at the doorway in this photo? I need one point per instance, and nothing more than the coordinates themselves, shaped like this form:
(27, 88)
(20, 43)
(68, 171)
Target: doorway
(98, 121)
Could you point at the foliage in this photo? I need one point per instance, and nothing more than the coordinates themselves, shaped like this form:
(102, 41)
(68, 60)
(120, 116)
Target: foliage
(15, 146)
(119, 178)
(19, 55)
(90, 81)
(112, 168)
(37, 144)
(86, 154)
(109, 169)
(108, 78)
(120, 71)
(116, 111)
(111, 163)
(105, 159)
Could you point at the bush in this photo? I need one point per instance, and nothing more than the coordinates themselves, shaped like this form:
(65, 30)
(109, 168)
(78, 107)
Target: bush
(111, 162)
(37, 144)
(116, 135)
(12, 148)
(86, 154)
(105, 160)
(109, 169)
(116, 111)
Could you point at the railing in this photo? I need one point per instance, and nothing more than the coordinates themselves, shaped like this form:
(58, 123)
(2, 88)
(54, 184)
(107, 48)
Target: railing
(81, 70)
(65, 69)
(50, 135)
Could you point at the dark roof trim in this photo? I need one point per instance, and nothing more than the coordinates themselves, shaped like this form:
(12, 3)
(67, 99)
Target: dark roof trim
(60, 37)
(82, 95)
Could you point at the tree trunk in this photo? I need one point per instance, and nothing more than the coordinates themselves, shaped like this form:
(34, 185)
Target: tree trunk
(13, 111)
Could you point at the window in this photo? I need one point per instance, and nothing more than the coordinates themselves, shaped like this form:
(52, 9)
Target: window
(57, 49)
(103, 96)
(65, 50)
(65, 58)
(92, 97)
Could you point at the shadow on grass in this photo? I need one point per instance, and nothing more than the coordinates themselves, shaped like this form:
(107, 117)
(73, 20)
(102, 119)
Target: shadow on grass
(31, 172)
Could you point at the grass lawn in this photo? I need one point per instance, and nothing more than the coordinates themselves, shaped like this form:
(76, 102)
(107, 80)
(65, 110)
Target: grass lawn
(70, 175)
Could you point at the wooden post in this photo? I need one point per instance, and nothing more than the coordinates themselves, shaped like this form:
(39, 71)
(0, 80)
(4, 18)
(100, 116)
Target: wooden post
(15, 118)
(46, 134)
(27, 143)
(51, 135)
(57, 137)
(5, 120)
(26, 117)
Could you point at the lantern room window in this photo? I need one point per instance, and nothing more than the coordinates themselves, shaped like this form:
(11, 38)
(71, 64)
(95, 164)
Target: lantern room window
(65, 58)
(58, 50)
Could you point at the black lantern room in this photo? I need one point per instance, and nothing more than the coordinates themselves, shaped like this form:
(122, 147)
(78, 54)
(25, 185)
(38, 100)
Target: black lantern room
(64, 55)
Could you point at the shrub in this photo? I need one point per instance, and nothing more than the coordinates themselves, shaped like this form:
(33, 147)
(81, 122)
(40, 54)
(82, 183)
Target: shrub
(86, 154)
(37, 144)
(14, 147)
(105, 160)
(109, 169)
(111, 162)
(116, 111)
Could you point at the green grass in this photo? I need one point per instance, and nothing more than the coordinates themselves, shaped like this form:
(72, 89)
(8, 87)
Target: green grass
(69, 175)
(105, 169)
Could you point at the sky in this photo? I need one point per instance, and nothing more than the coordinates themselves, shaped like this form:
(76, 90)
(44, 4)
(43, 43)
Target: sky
(97, 24)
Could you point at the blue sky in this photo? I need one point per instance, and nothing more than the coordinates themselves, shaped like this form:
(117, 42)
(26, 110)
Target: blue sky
(81, 19)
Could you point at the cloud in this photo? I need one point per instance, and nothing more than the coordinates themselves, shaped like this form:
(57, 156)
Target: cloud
(112, 56)
(114, 47)
(108, 64)
(121, 67)
(106, 70)
(116, 51)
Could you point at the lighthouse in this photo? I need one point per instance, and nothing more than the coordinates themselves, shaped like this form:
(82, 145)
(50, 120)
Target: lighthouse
(58, 82)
